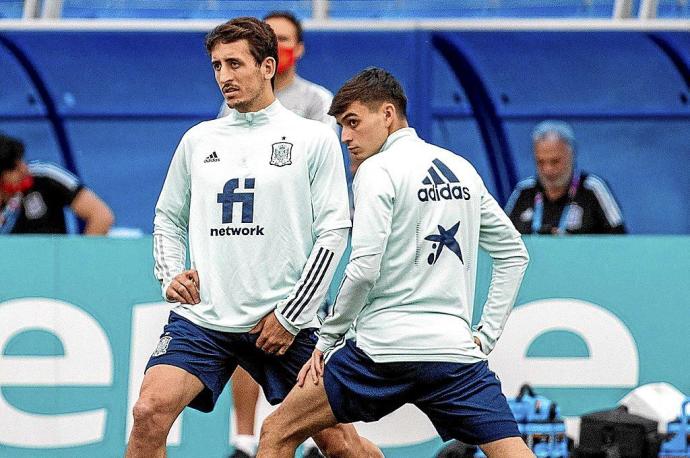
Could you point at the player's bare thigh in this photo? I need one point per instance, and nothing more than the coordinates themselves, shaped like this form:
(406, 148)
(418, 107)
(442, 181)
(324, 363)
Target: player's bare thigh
(305, 412)
(168, 389)
(165, 391)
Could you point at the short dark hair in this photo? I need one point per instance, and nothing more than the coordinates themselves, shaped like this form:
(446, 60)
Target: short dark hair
(259, 35)
(372, 86)
(290, 17)
(11, 152)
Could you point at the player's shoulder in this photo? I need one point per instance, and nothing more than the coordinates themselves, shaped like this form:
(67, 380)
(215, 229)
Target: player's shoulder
(592, 181)
(308, 128)
(53, 172)
(203, 128)
(448, 163)
(526, 184)
(379, 169)
(523, 192)
(315, 89)
(597, 186)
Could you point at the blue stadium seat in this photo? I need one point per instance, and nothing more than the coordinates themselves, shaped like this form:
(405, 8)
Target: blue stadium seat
(11, 9)
(190, 9)
(416, 9)
(673, 9)
(342, 9)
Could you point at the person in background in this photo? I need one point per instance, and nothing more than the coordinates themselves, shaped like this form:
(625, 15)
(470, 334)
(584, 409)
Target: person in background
(561, 199)
(310, 101)
(33, 196)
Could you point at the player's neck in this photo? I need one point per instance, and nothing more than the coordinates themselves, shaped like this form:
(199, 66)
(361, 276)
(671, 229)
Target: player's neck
(285, 79)
(259, 103)
(397, 125)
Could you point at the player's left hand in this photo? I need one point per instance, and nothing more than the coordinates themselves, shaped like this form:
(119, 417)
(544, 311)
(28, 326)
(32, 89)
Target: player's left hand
(314, 367)
(273, 337)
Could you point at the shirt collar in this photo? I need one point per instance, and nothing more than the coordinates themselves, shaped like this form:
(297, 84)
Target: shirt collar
(257, 117)
(405, 132)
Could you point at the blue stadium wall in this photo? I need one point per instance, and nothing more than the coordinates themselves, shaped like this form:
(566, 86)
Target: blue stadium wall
(111, 106)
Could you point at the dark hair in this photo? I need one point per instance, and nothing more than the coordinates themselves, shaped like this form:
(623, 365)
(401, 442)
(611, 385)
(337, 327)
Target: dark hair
(290, 17)
(259, 35)
(11, 152)
(372, 87)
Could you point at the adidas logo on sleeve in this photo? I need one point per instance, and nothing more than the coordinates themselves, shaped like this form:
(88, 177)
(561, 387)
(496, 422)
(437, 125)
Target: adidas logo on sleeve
(213, 157)
(441, 184)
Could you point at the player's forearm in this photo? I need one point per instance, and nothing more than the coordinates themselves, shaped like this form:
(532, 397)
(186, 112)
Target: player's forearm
(95, 213)
(300, 307)
(360, 277)
(510, 259)
(171, 219)
(100, 223)
(169, 251)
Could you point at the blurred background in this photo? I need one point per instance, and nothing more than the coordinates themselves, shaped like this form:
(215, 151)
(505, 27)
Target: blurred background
(106, 88)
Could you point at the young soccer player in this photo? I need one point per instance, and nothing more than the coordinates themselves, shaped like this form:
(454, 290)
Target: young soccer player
(421, 213)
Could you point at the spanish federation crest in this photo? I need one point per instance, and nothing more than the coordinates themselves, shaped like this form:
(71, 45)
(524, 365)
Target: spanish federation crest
(281, 154)
(162, 346)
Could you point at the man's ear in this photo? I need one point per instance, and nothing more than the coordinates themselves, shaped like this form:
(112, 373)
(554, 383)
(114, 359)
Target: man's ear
(390, 113)
(268, 68)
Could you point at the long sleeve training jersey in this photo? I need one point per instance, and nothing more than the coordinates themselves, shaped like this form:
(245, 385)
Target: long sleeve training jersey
(421, 213)
(262, 198)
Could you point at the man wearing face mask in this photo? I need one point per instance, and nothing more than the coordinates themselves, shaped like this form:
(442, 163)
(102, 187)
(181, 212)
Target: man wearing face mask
(33, 196)
(298, 95)
(561, 199)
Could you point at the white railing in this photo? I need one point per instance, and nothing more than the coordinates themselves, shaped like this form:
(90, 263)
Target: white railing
(51, 9)
(162, 25)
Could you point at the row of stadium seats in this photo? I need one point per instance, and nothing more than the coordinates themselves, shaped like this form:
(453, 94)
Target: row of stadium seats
(85, 100)
(348, 9)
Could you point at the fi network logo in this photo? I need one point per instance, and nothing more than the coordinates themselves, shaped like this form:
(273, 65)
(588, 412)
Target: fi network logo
(441, 184)
(230, 196)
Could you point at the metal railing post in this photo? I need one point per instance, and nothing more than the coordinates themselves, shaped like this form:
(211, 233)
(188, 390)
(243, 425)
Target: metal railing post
(52, 9)
(648, 9)
(319, 10)
(622, 9)
(30, 9)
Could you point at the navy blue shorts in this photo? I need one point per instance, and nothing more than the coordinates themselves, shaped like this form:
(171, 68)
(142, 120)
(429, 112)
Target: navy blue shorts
(463, 401)
(212, 356)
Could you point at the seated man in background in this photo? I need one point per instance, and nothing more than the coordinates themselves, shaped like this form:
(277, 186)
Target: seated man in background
(562, 200)
(33, 196)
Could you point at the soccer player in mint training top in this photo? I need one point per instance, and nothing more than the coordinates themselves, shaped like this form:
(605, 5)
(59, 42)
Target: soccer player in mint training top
(310, 101)
(421, 213)
(261, 197)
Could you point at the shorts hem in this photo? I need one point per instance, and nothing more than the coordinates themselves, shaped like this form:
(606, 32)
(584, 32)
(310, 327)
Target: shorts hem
(506, 429)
